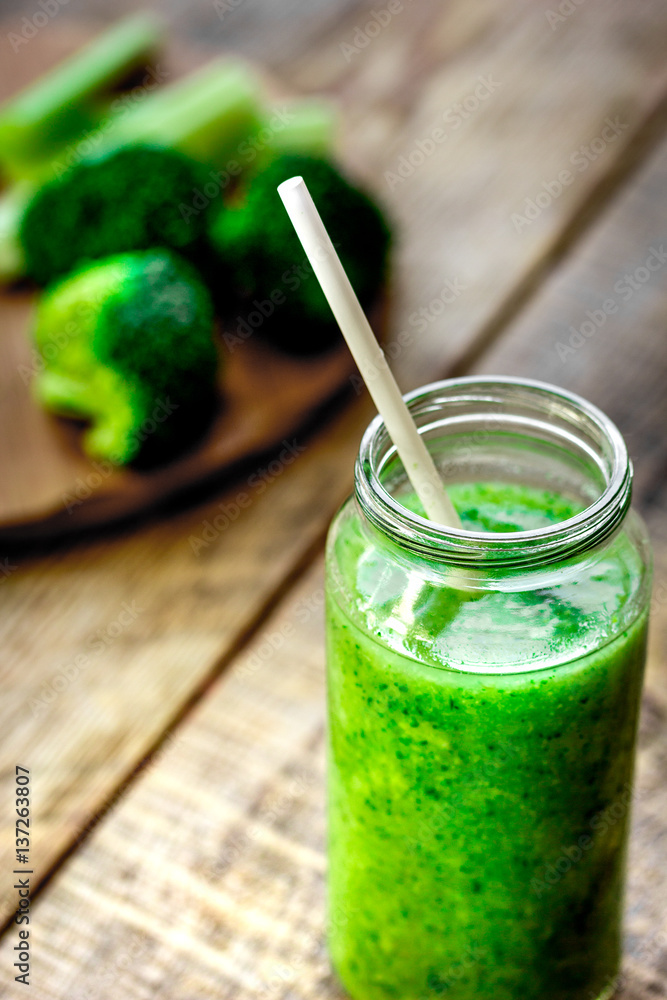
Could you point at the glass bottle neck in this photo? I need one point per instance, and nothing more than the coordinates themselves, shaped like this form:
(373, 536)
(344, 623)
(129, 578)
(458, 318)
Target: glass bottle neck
(510, 431)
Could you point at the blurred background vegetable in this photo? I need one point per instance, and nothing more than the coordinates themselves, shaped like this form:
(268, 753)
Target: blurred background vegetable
(69, 100)
(257, 246)
(131, 199)
(219, 115)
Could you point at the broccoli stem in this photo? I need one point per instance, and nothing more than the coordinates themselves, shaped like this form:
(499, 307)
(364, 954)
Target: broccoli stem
(104, 399)
(68, 397)
(59, 105)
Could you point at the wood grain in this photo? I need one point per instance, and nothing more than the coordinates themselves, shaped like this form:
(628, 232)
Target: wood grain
(213, 863)
(551, 91)
(565, 335)
(206, 880)
(197, 609)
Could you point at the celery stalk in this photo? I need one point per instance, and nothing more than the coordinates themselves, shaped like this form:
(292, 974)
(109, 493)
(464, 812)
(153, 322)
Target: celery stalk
(12, 205)
(60, 104)
(215, 115)
(305, 126)
(205, 115)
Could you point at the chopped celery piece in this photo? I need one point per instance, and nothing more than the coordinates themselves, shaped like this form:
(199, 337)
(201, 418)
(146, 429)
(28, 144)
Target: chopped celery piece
(60, 105)
(305, 126)
(206, 115)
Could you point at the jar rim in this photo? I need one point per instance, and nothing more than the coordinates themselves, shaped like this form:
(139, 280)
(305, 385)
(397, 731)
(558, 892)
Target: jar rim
(460, 546)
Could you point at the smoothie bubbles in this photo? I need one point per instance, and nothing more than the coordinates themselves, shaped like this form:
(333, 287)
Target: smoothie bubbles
(484, 680)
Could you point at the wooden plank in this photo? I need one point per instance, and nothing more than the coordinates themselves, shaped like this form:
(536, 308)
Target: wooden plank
(464, 256)
(196, 610)
(565, 335)
(228, 850)
(206, 880)
(260, 30)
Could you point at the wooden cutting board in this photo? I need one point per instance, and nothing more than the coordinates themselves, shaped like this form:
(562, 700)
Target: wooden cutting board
(49, 487)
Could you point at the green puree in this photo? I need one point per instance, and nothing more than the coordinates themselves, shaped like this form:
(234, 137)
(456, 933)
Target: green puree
(480, 766)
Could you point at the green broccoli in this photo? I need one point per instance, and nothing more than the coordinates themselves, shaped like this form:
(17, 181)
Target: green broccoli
(216, 116)
(127, 344)
(132, 199)
(260, 251)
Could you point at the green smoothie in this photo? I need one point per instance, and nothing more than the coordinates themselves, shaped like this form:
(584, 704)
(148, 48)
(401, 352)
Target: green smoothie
(480, 763)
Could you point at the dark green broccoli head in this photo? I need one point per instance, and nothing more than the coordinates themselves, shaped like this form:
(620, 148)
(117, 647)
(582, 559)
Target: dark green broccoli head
(127, 344)
(133, 199)
(257, 243)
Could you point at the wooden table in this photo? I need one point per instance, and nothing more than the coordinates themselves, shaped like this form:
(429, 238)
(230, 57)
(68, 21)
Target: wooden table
(177, 831)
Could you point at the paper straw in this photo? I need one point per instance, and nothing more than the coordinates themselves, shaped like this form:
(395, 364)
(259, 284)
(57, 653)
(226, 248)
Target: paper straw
(367, 353)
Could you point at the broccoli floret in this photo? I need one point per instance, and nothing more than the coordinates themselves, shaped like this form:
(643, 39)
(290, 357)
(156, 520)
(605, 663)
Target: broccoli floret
(131, 199)
(127, 345)
(257, 244)
(215, 115)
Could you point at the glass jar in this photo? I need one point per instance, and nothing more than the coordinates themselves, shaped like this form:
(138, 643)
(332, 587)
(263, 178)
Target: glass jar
(483, 691)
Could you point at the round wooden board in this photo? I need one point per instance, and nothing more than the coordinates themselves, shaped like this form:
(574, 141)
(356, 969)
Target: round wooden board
(49, 488)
